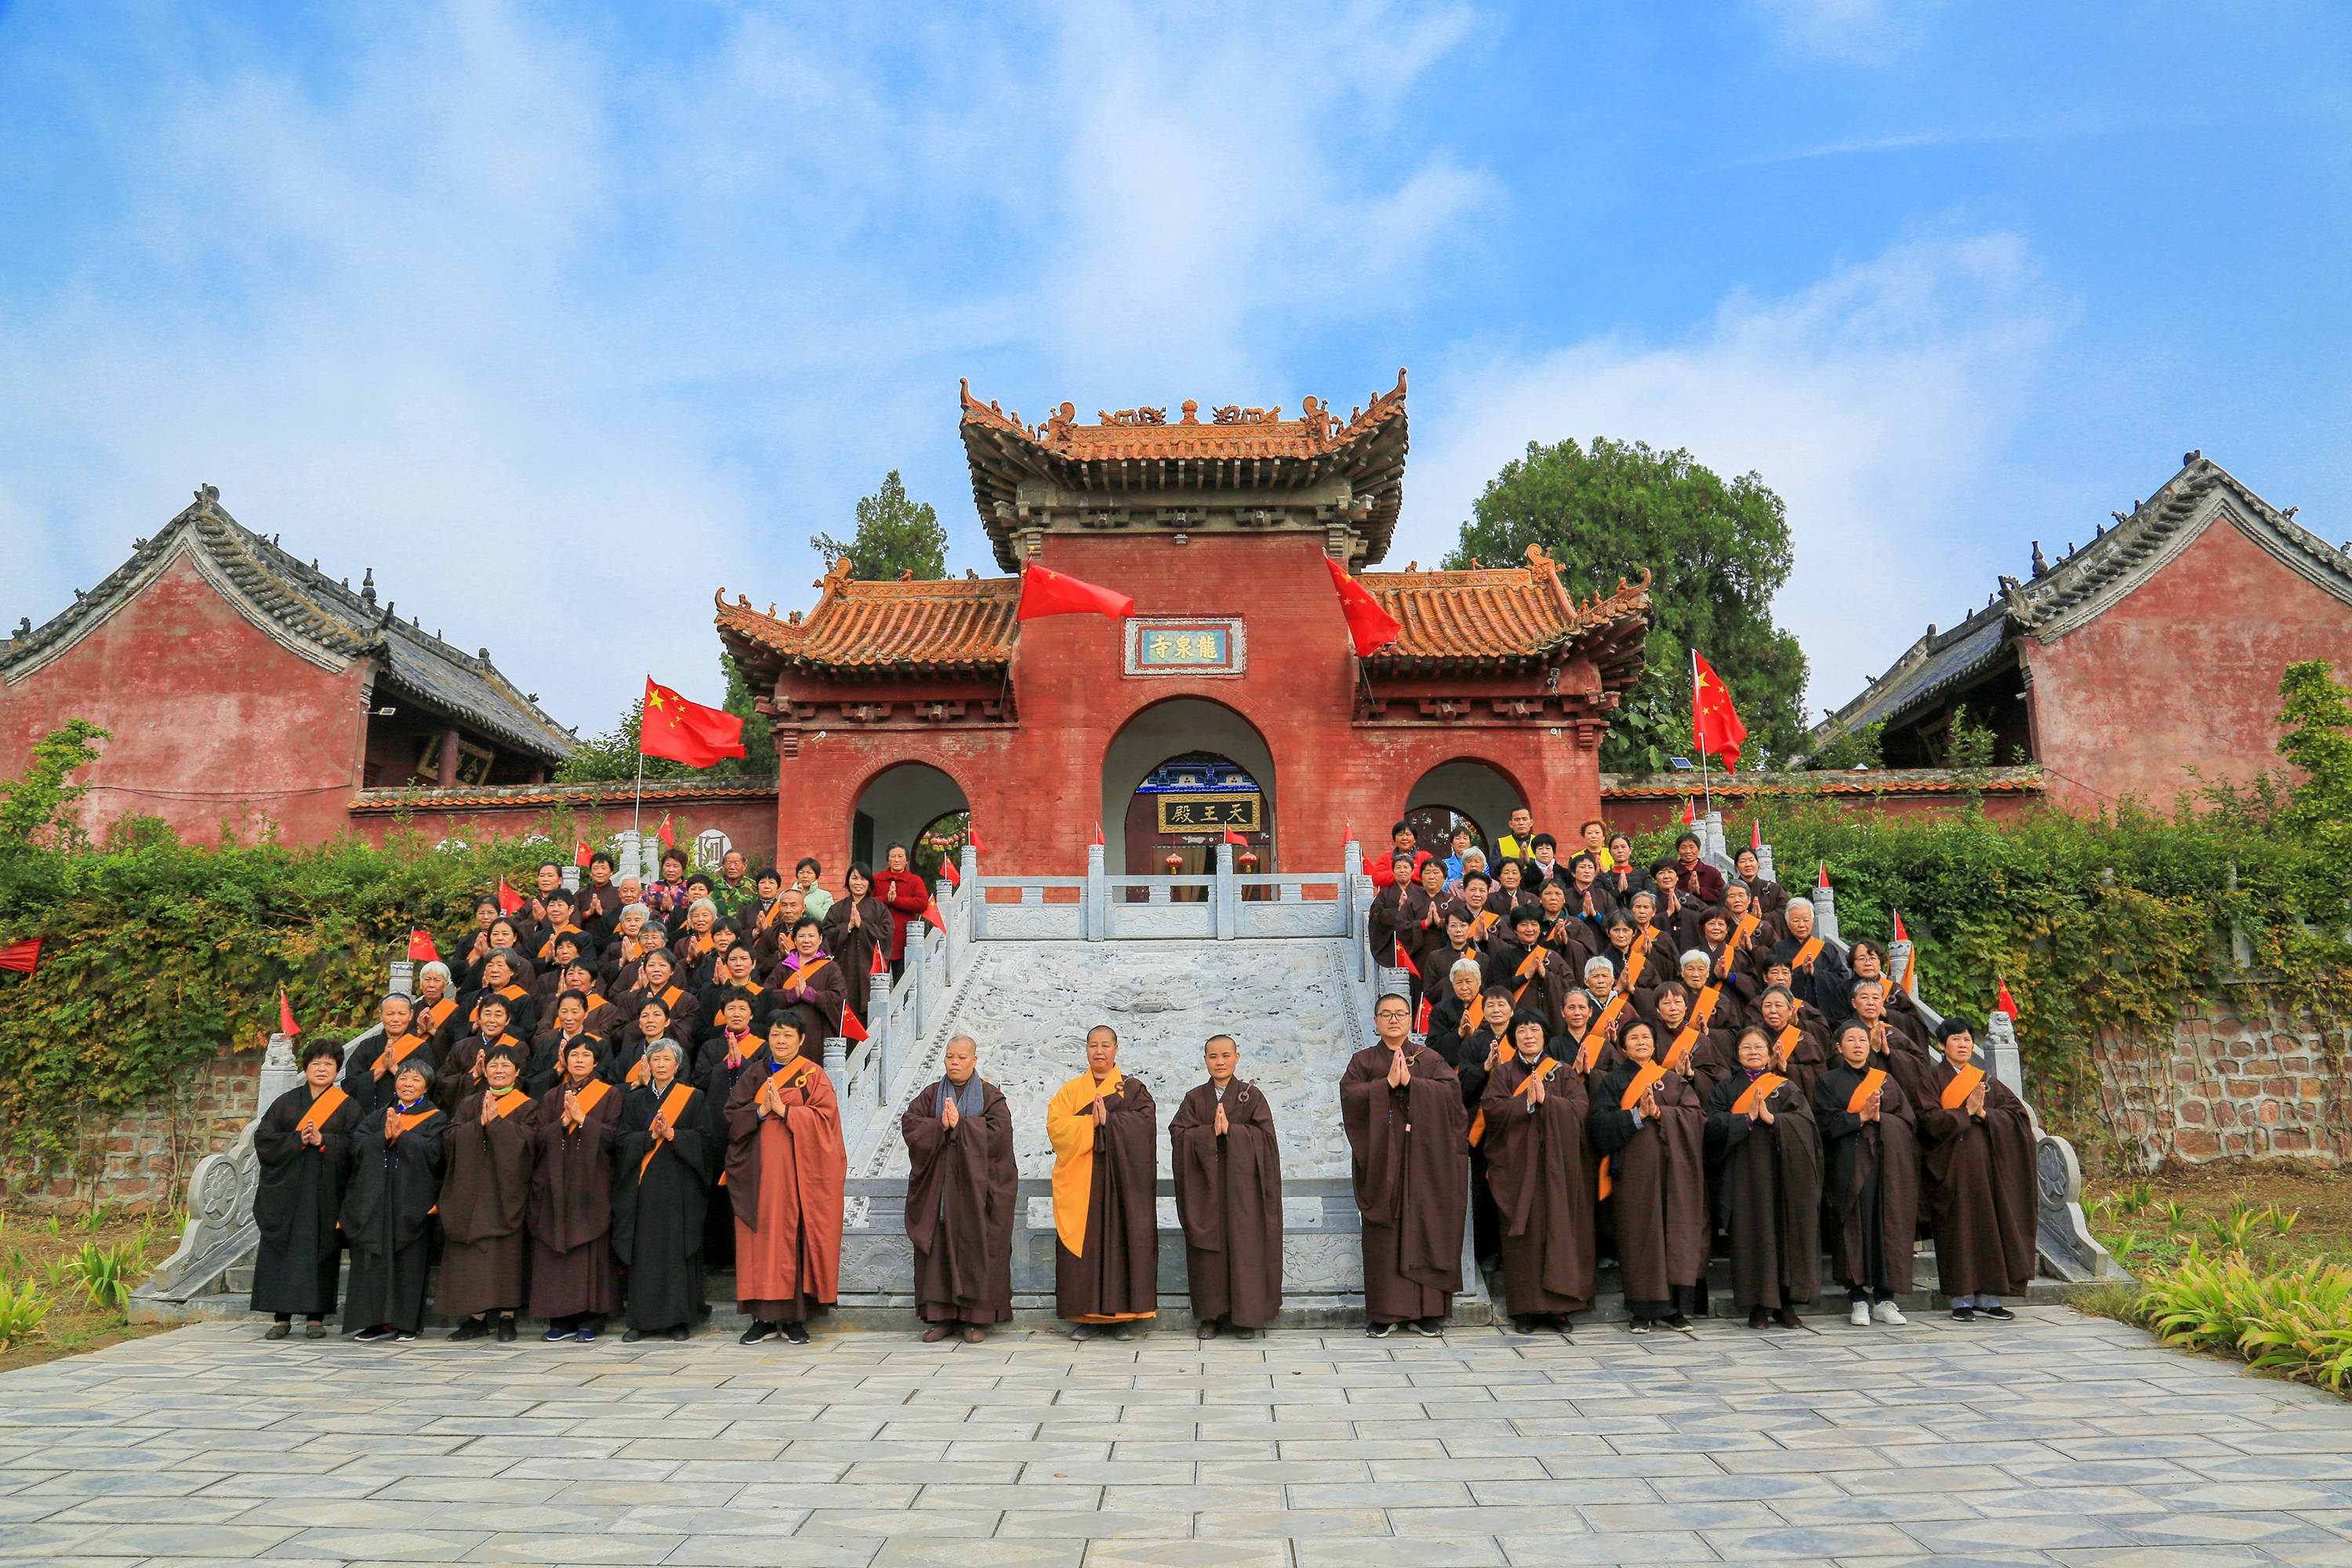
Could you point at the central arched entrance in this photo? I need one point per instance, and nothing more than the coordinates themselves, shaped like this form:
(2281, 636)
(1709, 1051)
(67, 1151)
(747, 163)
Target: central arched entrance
(1175, 777)
(912, 804)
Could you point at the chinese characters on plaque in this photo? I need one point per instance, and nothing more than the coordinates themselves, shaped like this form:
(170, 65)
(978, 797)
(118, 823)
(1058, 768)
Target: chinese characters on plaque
(1185, 646)
(1204, 813)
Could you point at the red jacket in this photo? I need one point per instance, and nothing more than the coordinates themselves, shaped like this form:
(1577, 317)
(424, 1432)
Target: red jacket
(904, 895)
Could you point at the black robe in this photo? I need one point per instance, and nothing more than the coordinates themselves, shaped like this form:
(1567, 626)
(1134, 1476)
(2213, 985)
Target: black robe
(1980, 1189)
(297, 1204)
(388, 1221)
(485, 1201)
(657, 1209)
(1870, 1180)
(1768, 1187)
(853, 951)
(571, 1217)
(961, 1188)
(1539, 1166)
(1411, 1176)
(1229, 1201)
(374, 1095)
(1657, 1173)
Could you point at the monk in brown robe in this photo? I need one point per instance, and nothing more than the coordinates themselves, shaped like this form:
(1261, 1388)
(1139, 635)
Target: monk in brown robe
(1646, 1121)
(1978, 1142)
(462, 1071)
(573, 1285)
(371, 1060)
(961, 1185)
(1105, 1132)
(1765, 1155)
(1227, 1166)
(785, 1166)
(1407, 1131)
(492, 1144)
(1540, 1167)
(1799, 1051)
(1870, 1165)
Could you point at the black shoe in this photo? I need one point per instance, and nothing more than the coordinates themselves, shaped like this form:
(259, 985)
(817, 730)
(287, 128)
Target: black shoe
(1757, 1317)
(1206, 1329)
(1999, 1314)
(403, 1335)
(1523, 1324)
(1247, 1333)
(1429, 1328)
(756, 1332)
(633, 1336)
(1964, 1315)
(375, 1333)
(317, 1331)
(1379, 1330)
(506, 1330)
(1677, 1322)
(1122, 1331)
(681, 1333)
(471, 1329)
(279, 1329)
(1788, 1318)
(1085, 1330)
(1565, 1328)
(796, 1332)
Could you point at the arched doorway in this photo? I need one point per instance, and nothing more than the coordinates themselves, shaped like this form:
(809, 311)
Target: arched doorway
(1465, 791)
(1175, 777)
(911, 804)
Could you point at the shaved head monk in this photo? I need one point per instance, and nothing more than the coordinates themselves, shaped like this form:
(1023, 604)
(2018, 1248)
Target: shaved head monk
(1105, 1224)
(1228, 1169)
(961, 1187)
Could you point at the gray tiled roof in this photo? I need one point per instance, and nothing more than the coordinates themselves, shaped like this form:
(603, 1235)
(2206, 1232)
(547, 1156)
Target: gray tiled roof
(314, 609)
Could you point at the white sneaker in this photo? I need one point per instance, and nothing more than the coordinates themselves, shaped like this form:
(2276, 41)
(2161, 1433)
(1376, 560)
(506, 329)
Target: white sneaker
(1860, 1315)
(1888, 1312)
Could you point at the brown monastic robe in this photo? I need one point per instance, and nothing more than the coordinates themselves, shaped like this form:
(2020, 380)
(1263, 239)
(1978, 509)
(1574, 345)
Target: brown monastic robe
(1229, 1201)
(1980, 1189)
(1104, 1183)
(1768, 1186)
(1411, 1173)
(1870, 1180)
(1539, 1166)
(784, 1177)
(1657, 1174)
(962, 1187)
(822, 995)
(485, 1198)
(571, 1269)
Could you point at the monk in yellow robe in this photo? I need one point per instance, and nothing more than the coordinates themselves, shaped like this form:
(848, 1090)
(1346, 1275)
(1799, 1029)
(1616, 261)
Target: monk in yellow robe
(1106, 1137)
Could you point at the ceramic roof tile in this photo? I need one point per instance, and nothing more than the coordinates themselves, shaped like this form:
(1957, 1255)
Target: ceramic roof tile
(954, 625)
(1508, 618)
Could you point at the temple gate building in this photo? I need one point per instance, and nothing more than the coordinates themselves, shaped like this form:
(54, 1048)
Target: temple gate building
(1232, 696)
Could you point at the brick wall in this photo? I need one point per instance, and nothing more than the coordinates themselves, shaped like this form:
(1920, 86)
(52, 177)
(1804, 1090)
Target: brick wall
(144, 1159)
(2240, 1076)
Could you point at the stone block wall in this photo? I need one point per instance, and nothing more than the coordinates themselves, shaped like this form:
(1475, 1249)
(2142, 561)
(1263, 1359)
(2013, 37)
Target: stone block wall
(143, 1158)
(2240, 1077)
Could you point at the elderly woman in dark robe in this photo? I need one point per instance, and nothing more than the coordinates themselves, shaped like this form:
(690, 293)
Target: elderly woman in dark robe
(962, 1184)
(304, 1142)
(1539, 1166)
(809, 978)
(1870, 1162)
(460, 1073)
(370, 1061)
(785, 1167)
(573, 1285)
(493, 1145)
(1647, 1124)
(1978, 1142)
(1767, 1157)
(666, 1162)
(397, 1164)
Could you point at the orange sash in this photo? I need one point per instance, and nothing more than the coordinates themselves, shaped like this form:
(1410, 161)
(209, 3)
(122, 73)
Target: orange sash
(1745, 929)
(405, 1047)
(1482, 924)
(592, 1097)
(1633, 969)
(1757, 1093)
(409, 1121)
(1542, 1070)
(1702, 1011)
(1681, 1049)
(1964, 1084)
(1785, 1046)
(1473, 1015)
(1608, 1015)
(641, 1071)
(1863, 1090)
(438, 1014)
(1806, 954)
(801, 975)
(672, 1104)
(1632, 1096)
(505, 1105)
(322, 1110)
(1588, 1050)
(1534, 960)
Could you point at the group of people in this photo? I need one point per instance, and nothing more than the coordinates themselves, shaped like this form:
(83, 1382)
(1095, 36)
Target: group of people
(599, 1096)
(1656, 1062)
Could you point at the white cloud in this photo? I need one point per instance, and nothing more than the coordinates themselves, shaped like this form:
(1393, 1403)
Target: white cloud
(1876, 403)
(1865, 32)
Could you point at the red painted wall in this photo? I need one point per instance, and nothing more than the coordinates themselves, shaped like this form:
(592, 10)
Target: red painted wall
(211, 718)
(1036, 791)
(750, 824)
(2182, 673)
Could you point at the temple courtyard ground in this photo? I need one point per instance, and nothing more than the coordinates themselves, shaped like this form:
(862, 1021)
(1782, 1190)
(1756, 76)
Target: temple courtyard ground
(2057, 1439)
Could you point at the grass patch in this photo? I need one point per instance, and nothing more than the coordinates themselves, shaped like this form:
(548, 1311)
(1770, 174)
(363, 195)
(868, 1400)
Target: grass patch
(63, 1281)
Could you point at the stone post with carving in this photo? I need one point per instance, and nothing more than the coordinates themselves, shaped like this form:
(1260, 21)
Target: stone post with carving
(220, 1233)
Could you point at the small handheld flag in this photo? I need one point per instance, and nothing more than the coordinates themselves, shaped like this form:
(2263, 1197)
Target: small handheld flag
(665, 833)
(580, 853)
(851, 1029)
(510, 902)
(420, 948)
(948, 874)
(24, 957)
(285, 1024)
(2005, 1002)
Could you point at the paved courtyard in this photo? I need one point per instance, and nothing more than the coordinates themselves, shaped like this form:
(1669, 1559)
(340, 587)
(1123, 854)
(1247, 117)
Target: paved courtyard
(2054, 1440)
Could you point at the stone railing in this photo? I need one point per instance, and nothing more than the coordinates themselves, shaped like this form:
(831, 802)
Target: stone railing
(220, 1233)
(1220, 906)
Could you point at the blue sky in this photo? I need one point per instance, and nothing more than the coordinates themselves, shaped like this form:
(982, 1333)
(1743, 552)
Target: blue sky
(574, 305)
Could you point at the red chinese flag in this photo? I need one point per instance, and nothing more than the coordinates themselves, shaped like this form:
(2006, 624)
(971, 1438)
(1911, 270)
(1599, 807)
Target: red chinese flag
(1824, 880)
(509, 899)
(24, 957)
(1900, 934)
(1756, 835)
(1370, 626)
(1690, 813)
(1046, 592)
(879, 966)
(666, 835)
(1421, 1018)
(285, 1024)
(2005, 1002)
(1404, 961)
(948, 874)
(851, 1029)
(932, 918)
(420, 948)
(1233, 837)
(687, 732)
(1715, 722)
(1097, 838)
(974, 833)
(580, 853)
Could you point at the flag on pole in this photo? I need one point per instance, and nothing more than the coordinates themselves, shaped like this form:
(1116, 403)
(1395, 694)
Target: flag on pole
(851, 1029)
(1715, 722)
(948, 874)
(285, 1024)
(1910, 959)
(1421, 1018)
(1233, 837)
(1097, 838)
(974, 833)
(932, 918)
(24, 956)
(1756, 835)
(420, 947)
(1824, 880)
(510, 902)
(686, 731)
(1404, 961)
(1046, 592)
(2005, 1002)
(1369, 627)
(1690, 813)
(666, 834)
(580, 853)
(879, 966)
(1900, 935)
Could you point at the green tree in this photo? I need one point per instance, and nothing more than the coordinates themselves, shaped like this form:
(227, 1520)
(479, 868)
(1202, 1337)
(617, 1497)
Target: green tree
(613, 755)
(1718, 549)
(2315, 721)
(38, 811)
(894, 535)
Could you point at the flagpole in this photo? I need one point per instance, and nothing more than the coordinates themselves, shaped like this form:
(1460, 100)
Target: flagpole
(637, 810)
(1698, 737)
